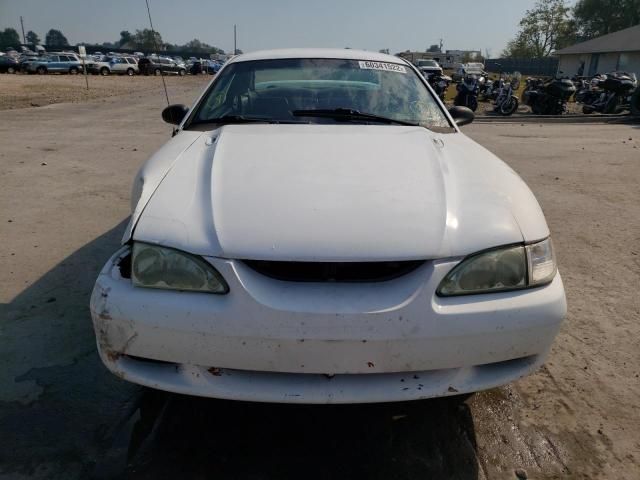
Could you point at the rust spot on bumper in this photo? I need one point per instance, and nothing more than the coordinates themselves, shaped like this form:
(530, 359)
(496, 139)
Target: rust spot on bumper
(112, 356)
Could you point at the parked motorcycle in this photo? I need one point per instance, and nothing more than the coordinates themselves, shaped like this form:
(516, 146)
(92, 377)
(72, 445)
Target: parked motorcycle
(440, 83)
(548, 98)
(487, 88)
(506, 102)
(588, 91)
(617, 91)
(530, 85)
(468, 93)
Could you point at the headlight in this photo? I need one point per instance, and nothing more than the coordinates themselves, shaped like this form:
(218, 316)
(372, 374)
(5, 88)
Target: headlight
(159, 267)
(501, 269)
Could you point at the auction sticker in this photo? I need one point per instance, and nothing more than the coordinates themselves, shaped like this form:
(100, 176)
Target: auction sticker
(388, 67)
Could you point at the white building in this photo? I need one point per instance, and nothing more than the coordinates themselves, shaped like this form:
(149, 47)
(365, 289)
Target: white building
(615, 51)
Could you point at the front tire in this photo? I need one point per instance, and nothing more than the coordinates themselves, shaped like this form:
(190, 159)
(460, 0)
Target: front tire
(11, 70)
(182, 72)
(130, 72)
(41, 71)
(104, 71)
(157, 72)
(612, 105)
(73, 71)
(472, 103)
(509, 106)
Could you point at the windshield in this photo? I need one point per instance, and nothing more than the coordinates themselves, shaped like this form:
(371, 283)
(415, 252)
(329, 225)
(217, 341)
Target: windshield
(274, 90)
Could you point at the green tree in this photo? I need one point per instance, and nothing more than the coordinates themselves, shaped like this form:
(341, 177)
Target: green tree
(33, 38)
(543, 29)
(9, 38)
(596, 17)
(55, 38)
(125, 37)
(146, 40)
(197, 46)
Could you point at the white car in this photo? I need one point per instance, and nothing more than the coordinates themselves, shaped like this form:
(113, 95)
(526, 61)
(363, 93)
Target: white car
(318, 230)
(124, 65)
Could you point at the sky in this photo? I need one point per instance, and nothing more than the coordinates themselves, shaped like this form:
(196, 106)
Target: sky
(263, 24)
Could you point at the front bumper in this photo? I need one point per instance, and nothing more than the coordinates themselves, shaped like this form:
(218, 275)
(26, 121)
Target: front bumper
(276, 341)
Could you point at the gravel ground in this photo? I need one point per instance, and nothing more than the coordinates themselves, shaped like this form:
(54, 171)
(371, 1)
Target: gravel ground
(64, 201)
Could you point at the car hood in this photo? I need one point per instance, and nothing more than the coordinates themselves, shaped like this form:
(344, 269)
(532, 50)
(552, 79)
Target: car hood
(332, 193)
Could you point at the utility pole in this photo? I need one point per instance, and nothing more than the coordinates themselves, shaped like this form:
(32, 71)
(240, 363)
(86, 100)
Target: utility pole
(235, 40)
(22, 25)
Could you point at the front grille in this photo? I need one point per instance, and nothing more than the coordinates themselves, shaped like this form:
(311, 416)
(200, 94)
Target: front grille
(347, 272)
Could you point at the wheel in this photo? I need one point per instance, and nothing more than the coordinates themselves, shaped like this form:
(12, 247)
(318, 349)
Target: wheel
(104, 71)
(157, 72)
(587, 109)
(130, 72)
(41, 70)
(182, 72)
(11, 70)
(612, 105)
(73, 71)
(509, 106)
(635, 103)
(472, 103)
(536, 108)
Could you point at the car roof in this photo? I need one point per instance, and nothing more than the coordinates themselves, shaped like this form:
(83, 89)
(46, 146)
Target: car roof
(341, 53)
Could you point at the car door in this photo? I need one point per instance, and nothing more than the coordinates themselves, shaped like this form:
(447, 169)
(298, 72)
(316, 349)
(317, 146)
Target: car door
(131, 63)
(118, 65)
(53, 63)
(66, 62)
(165, 65)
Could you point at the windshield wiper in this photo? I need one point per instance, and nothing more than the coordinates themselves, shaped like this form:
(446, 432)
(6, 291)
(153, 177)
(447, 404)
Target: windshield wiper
(350, 114)
(227, 119)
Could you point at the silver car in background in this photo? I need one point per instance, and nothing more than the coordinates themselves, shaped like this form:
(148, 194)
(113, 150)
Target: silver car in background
(123, 65)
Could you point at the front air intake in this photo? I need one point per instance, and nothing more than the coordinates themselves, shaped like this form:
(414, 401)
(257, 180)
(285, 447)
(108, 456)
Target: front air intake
(347, 272)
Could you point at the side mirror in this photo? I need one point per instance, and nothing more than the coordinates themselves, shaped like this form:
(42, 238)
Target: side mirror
(462, 115)
(174, 114)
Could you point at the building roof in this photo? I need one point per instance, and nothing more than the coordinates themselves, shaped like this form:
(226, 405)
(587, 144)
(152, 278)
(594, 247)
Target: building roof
(627, 40)
(342, 53)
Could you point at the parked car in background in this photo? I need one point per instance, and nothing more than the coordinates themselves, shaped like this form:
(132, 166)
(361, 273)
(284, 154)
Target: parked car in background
(9, 64)
(428, 67)
(26, 60)
(160, 66)
(56, 63)
(123, 65)
(319, 230)
(204, 66)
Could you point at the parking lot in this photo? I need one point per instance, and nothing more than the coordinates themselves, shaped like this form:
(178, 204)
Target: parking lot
(66, 176)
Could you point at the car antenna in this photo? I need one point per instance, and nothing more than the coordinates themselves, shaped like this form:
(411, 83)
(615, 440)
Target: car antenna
(153, 32)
